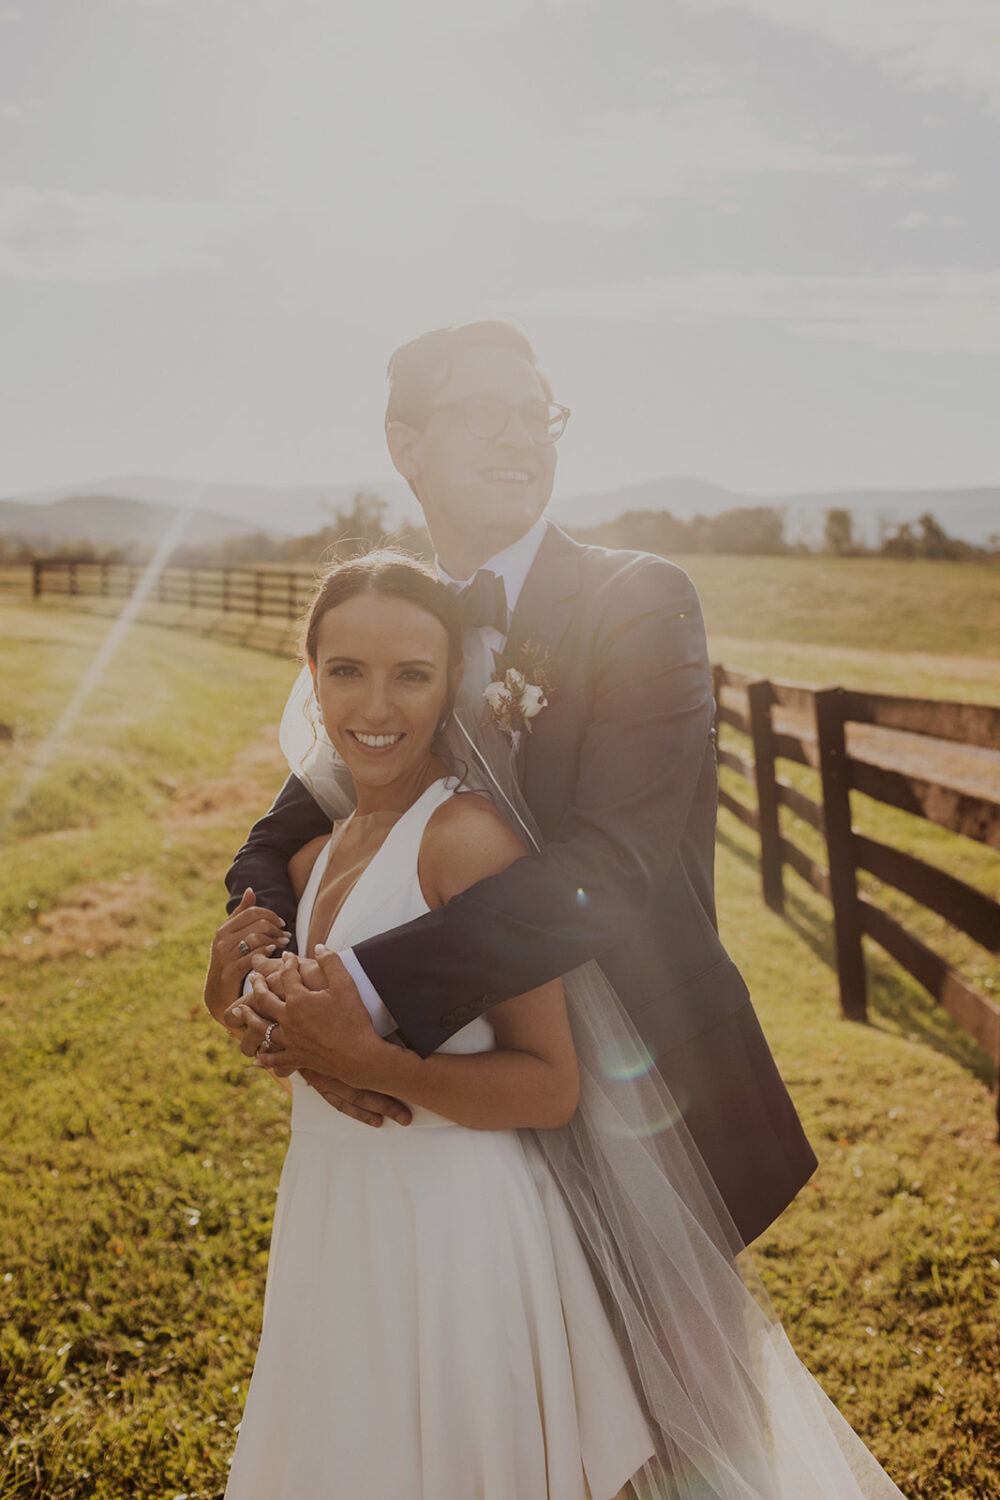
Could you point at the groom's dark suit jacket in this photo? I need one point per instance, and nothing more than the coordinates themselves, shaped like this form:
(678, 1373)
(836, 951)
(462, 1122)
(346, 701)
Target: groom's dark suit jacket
(619, 772)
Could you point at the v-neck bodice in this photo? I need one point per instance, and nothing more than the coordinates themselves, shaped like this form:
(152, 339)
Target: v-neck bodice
(386, 894)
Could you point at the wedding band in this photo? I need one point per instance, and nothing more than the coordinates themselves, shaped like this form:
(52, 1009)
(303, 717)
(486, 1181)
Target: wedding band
(243, 946)
(266, 1043)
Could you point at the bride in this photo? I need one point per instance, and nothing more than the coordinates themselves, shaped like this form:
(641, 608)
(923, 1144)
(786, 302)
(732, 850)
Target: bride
(529, 1291)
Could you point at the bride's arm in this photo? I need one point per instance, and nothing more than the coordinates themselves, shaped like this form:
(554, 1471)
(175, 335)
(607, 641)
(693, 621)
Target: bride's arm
(531, 1080)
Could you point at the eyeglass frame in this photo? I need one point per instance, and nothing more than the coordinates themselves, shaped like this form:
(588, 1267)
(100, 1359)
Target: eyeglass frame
(461, 403)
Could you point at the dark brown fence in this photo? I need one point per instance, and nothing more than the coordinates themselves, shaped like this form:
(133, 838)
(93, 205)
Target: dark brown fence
(940, 761)
(257, 591)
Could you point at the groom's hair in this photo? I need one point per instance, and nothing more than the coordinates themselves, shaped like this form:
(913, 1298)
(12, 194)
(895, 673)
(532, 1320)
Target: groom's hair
(420, 368)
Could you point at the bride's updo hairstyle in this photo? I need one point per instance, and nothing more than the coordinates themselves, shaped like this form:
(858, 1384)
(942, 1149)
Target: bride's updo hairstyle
(389, 574)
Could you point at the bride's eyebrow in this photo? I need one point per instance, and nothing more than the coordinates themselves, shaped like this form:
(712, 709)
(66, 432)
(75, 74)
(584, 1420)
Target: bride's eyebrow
(357, 661)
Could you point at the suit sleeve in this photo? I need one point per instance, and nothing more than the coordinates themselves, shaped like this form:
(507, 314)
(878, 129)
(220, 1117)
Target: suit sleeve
(644, 751)
(262, 863)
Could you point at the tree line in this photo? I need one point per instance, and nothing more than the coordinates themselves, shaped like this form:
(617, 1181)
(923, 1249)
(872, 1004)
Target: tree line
(752, 530)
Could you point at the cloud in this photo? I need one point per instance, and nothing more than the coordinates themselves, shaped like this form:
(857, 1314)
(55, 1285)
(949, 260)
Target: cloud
(919, 219)
(929, 43)
(956, 311)
(607, 170)
(51, 235)
(617, 163)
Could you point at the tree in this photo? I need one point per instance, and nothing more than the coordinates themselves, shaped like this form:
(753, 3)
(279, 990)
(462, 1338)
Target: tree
(838, 533)
(756, 529)
(901, 542)
(353, 529)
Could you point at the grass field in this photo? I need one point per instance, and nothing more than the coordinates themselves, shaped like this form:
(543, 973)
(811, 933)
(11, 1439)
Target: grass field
(141, 1154)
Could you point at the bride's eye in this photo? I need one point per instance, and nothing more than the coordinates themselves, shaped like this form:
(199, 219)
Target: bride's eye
(342, 669)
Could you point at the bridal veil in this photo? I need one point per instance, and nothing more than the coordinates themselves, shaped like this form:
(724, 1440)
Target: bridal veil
(733, 1412)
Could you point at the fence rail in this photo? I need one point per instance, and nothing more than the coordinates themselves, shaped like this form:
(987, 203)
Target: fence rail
(262, 592)
(939, 761)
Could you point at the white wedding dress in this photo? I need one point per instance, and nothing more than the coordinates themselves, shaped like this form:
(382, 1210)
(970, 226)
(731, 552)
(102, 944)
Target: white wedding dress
(431, 1330)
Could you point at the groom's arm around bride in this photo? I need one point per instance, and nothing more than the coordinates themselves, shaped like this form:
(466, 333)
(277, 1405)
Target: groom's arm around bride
(618, 771)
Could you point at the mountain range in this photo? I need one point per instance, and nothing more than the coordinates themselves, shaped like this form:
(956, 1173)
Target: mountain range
(136, 509)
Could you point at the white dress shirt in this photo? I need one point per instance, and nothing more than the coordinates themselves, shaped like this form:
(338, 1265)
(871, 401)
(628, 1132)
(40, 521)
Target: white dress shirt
(512, 565)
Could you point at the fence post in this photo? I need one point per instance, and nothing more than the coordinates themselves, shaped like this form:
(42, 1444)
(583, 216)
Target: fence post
(36, 578)
(258, 594)
(760, 696)
(73, 589)
(291, 607)
(835, 778)
(225, 591)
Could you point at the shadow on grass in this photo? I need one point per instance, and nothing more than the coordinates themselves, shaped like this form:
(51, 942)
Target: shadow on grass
(895, 1002)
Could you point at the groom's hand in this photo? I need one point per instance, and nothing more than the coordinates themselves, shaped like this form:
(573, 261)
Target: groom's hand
(324, 1032)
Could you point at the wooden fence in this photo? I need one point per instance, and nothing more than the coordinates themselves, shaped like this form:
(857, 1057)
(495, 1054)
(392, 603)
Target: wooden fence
(938, 760)
(280, 593)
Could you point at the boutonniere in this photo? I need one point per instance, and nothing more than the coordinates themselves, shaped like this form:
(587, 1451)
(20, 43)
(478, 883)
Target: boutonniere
(519, 690)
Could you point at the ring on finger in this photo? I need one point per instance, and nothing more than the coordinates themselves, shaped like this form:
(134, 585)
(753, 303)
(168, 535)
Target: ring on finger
(243, 946)
(265, 1045)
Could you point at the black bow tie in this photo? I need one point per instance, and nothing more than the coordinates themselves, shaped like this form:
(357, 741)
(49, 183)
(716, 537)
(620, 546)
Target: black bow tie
(482, 601)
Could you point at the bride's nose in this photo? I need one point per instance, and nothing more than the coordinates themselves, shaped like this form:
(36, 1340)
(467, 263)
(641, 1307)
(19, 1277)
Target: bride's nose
(378, 706)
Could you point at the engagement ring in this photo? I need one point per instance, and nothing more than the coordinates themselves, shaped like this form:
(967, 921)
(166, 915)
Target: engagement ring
(243, 946)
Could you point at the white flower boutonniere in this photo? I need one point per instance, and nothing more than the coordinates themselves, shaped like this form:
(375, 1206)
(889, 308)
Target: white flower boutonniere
(513, 699)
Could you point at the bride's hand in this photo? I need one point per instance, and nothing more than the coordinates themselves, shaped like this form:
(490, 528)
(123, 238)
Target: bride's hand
(252, 931)
(244, 1019)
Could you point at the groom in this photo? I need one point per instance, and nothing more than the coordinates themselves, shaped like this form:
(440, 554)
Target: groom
(618, 770)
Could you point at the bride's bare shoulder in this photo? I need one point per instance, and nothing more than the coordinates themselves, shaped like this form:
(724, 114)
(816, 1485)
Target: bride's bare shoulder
(466, 839)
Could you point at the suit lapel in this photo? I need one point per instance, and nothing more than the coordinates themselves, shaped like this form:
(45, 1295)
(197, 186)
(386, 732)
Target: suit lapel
(545, 606)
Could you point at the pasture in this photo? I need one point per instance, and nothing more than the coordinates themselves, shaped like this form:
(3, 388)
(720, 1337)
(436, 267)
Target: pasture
(141, 1153)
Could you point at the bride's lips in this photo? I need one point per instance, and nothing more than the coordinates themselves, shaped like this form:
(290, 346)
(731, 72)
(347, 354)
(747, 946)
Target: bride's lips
(376, 744)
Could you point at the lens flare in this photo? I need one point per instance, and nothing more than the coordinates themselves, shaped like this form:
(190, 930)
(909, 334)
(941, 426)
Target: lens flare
(625, 1058)
(91, 678)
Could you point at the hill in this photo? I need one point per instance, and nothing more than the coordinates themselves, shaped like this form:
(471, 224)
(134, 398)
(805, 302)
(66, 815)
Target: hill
(87, 511)
(292, 510)
(112, 520)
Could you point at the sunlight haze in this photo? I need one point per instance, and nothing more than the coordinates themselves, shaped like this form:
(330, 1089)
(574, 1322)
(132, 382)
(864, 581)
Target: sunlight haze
(752, 240)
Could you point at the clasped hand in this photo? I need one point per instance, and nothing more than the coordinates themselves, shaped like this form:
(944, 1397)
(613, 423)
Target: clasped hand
(316, 1025)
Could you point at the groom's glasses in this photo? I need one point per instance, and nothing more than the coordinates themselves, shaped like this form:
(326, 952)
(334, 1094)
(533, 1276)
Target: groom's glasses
(488, 417)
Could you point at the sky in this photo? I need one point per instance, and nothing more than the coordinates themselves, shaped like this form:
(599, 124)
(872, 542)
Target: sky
(754, 241)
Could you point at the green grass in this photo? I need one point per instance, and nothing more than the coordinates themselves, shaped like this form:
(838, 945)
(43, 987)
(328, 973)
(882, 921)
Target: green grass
(141, 1154)
(857, 604)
